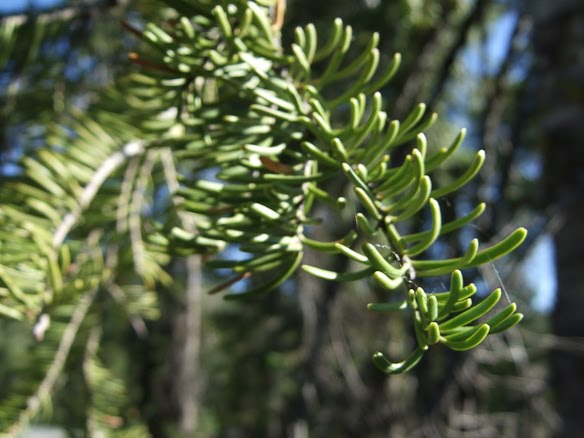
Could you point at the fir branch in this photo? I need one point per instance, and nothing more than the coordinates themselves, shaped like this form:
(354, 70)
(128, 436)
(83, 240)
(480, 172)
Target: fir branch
(171, 180)
(45, 388)
(109, 166)
(91, 347)
(136, 320)
(136, 205)
(124, 199)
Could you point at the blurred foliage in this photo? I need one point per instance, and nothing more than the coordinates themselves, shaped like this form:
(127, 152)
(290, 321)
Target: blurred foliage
(288, 362)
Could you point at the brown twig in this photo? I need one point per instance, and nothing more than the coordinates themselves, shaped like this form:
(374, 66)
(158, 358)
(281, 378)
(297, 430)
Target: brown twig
(279, 13)
(136, 59)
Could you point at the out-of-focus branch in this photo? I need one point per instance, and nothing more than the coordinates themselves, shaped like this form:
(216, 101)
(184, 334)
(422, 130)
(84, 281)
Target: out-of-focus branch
(500, 151)
(444, 72)
(413, 87)
(344, 358)
(190, 377)
(189, 324)
(129, 150)
(494, 104)
(45, 388)
(61, 13)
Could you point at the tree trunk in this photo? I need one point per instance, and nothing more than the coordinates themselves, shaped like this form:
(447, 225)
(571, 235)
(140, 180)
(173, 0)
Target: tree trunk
(188, 378)
(558, 38)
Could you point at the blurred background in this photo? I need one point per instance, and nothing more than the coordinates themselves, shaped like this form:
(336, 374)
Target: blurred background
(298, 363)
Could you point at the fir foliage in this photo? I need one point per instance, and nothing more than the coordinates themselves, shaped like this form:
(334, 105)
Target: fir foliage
(223, 142)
